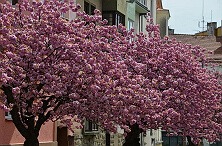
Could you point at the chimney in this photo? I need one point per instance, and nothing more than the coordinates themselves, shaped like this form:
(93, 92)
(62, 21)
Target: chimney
(211, 27)
(219, 39)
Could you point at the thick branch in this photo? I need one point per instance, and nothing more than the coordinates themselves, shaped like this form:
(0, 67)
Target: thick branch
(29, 119)
(50, 54)
(190, 141)
(43, 118)
(15, 112)
(132, 138)
(20, 17)
(40, 87)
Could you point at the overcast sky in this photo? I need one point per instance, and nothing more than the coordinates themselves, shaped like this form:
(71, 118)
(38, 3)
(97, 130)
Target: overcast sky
(187, 14)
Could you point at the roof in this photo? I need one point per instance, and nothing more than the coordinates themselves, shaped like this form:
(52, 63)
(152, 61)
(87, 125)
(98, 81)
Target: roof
(159, 4)
(163, 11)
(160, 7)
(207, 42)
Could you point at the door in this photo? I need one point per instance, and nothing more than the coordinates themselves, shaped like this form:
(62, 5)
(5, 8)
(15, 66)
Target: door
(62, 136)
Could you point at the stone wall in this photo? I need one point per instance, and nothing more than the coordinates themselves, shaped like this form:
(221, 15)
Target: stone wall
(97, 139)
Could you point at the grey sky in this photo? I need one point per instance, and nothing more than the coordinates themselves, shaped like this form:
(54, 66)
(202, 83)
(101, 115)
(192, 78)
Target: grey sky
(186, 14)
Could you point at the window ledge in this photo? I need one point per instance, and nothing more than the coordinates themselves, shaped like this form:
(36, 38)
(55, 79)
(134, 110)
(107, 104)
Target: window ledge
(91, 132)
(157, 142)
(9, 118)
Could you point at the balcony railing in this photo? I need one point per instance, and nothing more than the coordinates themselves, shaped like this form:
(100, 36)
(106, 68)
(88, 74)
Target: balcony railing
(143, 2)
(141, 6)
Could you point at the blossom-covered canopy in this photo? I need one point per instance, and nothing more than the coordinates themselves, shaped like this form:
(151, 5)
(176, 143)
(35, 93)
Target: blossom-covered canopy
(52, 68)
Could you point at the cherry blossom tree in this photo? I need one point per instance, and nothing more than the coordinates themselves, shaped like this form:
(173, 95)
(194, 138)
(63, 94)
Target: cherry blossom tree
(55, 69)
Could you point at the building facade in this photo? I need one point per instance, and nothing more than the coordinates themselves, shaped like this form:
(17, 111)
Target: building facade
(10, 136)
(162, 17)
(130, 13)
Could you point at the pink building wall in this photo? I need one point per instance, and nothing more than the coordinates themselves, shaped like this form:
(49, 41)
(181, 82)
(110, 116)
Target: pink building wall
(10, 135)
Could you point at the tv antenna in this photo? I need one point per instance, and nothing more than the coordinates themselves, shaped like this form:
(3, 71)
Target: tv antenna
(203, 20)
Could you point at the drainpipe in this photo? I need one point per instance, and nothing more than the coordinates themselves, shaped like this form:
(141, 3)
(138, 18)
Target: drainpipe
(153, 11)
(141, 139)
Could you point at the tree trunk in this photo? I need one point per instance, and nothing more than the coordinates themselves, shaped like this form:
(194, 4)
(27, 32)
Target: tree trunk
(32, 141)
(132, 138)
(190, 141)
(31, 131)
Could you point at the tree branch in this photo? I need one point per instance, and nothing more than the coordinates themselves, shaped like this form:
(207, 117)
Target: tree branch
(43, 118)
(15, 111)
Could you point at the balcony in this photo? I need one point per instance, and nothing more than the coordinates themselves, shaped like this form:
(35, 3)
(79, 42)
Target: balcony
(141, 6)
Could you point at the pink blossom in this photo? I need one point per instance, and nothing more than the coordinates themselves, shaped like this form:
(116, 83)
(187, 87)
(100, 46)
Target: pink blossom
(86, 69)
(16, 90)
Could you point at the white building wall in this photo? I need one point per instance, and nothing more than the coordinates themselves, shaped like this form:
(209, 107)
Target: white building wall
(152, 7)
(136, 22)
(152, 138)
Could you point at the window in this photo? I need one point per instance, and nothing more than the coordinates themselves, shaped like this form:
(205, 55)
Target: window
(62, 14)
(141, 24)
(130, 24)
(151, 132)
(152, 141)
(119, 19)
(13, 2)
(171, 140)
(91, 126)
(114, 18)
(8, 116)
(89, 8)
(144, 2)
(109, 17)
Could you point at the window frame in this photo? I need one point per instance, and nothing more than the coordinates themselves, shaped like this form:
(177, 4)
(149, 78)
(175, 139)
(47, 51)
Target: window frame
(114, 17)
(151, 132)
(13, 2)
(8, 116)
(141, 29)
(91, 127)
(130, 24)
(89, 8)
(62, 14)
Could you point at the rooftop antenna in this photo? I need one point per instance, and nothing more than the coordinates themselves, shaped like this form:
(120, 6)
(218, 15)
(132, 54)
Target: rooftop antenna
(203, 15)
(211, 25)
(203, 21)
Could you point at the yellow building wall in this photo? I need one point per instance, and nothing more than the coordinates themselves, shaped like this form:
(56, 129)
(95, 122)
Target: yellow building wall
(202, 33)
(218, 31)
